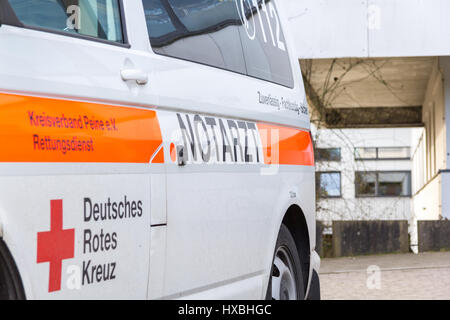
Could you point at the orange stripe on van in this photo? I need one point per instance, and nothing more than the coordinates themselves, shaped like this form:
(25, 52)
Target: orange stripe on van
(34, 129)
(286, 146)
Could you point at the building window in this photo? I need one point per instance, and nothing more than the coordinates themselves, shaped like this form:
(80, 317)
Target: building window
(383, 184)
(328, 154)
(328, 184)
(384, 153)
(365, 153)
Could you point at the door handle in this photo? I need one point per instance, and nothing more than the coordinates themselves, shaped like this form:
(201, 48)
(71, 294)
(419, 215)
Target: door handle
(135, 75)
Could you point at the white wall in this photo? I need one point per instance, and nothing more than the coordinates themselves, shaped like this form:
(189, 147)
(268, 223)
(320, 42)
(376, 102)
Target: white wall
(431, 181)
(369, 28)
(444, 64)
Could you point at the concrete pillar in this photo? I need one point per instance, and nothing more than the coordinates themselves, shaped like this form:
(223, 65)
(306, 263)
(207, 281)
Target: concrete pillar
(444, 64)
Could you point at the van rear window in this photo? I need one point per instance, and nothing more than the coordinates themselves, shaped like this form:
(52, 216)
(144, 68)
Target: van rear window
(94, 18)
(243, 36)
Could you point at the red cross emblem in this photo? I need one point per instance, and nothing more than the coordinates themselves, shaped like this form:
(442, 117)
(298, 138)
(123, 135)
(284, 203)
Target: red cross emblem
(55, 245)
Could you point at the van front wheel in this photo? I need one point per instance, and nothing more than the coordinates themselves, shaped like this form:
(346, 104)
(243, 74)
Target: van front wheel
(286, 281)
(10, 283)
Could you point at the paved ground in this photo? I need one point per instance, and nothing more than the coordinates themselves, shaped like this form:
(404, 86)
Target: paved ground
(392, 276)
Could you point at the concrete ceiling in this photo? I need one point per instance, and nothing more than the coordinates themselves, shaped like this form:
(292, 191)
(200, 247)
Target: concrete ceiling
(379, 83)
(390, 82)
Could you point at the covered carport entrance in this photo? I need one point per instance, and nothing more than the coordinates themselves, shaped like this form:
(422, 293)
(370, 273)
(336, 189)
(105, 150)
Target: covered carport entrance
(382, 64)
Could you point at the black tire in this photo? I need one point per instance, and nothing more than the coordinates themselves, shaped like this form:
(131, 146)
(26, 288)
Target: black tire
(10, 283)
(314, 287)
(286, 245)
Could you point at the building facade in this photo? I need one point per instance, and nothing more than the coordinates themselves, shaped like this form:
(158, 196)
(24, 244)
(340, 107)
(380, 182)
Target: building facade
(364, 174)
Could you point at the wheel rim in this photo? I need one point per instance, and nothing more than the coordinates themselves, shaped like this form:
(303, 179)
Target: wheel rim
(284, 286)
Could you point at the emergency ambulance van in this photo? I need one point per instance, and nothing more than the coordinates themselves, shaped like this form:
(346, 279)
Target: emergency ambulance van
(153, 149)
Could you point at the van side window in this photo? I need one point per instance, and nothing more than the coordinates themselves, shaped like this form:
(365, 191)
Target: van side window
(227, 34)
(265, 48)
(94, 18)
(204, 31)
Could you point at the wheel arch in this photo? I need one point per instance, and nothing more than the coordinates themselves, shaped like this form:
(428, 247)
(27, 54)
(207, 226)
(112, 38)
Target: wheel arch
(295, 220)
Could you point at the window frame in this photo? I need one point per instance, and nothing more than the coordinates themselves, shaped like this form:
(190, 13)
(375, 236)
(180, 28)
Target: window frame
(13, 20)
(377, 195)
(377, 157)
(228, 70)
(318, 173)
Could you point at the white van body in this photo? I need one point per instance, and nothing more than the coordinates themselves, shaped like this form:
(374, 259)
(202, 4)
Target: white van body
(104, 194)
